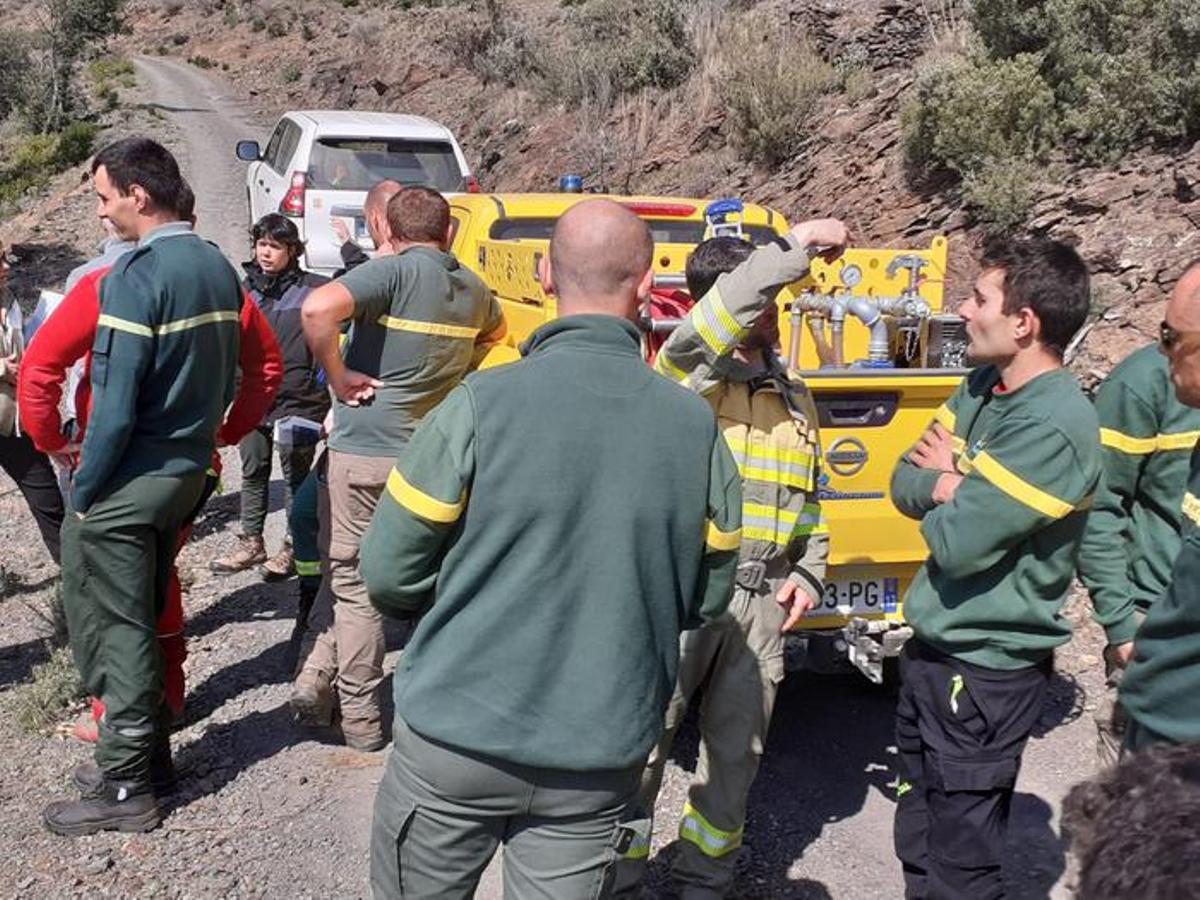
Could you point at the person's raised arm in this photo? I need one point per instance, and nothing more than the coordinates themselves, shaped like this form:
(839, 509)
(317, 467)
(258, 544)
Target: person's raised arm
(322, 315)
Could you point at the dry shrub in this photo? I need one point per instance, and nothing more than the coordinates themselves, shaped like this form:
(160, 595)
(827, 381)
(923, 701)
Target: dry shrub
(772, 80)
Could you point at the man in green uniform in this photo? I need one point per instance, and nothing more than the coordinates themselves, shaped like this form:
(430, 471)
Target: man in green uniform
(725, 350)
(417, 317)
(557, 521)
(1161, 688)
(162, 373)
(1002, 482)
(1132, 535)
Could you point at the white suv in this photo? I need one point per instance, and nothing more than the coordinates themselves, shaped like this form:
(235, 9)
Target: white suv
(319, 165)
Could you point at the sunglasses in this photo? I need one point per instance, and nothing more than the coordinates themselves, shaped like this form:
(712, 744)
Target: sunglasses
(1169, 338)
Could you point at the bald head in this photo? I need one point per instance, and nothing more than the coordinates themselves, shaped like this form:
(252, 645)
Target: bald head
(1183, 350)
(600, 257)
(375, 210)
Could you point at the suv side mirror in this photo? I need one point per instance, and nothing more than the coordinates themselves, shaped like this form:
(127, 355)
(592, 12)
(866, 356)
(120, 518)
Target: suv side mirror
(247, 151)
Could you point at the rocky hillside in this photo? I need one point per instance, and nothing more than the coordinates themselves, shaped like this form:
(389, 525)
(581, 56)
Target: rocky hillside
(527, 105)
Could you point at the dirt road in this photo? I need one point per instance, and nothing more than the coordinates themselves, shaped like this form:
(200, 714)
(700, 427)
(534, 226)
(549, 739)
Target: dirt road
(267, 810)
(210, 119)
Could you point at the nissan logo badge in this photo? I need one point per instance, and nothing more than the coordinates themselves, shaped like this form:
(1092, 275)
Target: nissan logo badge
(846, 456)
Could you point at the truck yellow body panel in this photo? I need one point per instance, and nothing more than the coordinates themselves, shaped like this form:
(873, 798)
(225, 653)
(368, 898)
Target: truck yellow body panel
(869, 416)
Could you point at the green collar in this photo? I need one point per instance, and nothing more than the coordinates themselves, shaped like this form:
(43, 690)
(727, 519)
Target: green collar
(586, 332)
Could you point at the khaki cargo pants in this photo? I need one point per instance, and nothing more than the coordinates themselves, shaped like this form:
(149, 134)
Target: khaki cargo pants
(441, 814)
(353, 646)
(743, 651)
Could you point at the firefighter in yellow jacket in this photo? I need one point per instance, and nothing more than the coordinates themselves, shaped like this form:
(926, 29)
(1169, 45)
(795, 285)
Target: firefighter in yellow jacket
(725, 349)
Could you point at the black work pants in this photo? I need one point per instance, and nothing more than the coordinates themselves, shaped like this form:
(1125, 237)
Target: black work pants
(960, 733)
(255, 449)
(34, 475)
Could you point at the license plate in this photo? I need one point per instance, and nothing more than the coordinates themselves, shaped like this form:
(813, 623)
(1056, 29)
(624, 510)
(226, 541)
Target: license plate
(855, 596)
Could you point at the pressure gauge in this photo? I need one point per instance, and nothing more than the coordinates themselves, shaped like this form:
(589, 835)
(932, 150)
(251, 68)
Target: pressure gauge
(851, 275)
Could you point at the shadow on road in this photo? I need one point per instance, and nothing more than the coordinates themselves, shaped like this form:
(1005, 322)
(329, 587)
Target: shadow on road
(18, 660)
(828, 746)
(261, 600)
(272, 666)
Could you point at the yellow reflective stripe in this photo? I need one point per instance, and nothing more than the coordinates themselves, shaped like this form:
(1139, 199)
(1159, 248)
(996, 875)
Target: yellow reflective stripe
(119, 324)
(435, 328)
(945, 415)
(664, 366)
(958, 444)
(107, 321)
(964, 465)
(1136, 446)
(789, 477)
(1183, 440)
(421, 504)
(715, 325)
(719, 540)
(757, 454)
(639, 848)
(1191, 507)
(306, 568)
(711, 841)
(1021, 490)
(191, 322)
(1126, 443)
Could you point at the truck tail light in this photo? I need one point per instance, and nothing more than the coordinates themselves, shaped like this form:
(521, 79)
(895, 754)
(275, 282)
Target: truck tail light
(653, 208)
(292, 203)
(473, 185)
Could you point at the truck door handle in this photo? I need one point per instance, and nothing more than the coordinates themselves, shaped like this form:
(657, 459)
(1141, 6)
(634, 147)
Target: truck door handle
(870, 410)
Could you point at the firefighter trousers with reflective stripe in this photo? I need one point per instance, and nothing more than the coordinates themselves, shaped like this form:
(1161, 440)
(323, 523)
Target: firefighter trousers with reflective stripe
(741, 654)
(960, 733)
(441, 814)
(116, 568)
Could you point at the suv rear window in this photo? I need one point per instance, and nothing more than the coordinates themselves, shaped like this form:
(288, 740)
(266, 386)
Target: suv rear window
(664, 231)
(357, 164)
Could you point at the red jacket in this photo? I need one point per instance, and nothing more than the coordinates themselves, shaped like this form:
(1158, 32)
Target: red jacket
(67, 336)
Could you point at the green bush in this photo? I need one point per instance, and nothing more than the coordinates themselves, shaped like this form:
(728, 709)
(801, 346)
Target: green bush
(290, 73)
(771, 81)
(110, 68)
(966, 113)
(1001, 193)
(1123, 71)
(618, 47)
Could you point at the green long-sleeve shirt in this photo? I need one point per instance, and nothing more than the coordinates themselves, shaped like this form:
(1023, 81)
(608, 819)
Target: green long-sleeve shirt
(1002, 550)
(559, 520)
(1161, 688)
(164, 362)
(1132, 535)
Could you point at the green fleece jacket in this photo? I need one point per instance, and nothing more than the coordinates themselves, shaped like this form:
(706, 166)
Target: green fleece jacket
(164, 363)
(1161, 689)
(1002, 551)
(1132, 535)
(558, 520)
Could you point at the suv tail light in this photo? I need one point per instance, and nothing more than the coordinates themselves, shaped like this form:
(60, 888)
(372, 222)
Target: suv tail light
(292, 203)
(473, 185)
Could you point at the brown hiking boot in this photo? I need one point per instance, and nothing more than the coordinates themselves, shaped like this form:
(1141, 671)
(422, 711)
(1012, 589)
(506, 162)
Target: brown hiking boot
(312, 699)
(248, 552)
(280, 566)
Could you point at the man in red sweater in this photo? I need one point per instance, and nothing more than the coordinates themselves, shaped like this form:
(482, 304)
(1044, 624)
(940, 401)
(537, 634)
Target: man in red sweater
(66, 337)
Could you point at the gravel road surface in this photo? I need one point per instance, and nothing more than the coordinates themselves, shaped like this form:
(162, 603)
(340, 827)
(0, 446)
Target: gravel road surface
(267, 810)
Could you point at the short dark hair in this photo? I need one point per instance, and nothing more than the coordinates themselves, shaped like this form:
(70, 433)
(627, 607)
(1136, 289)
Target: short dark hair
(1133, 827)
(278, 228)
(1048, 277)
(418, 215)
(711, 259)
(139, 160)
(185, 203)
